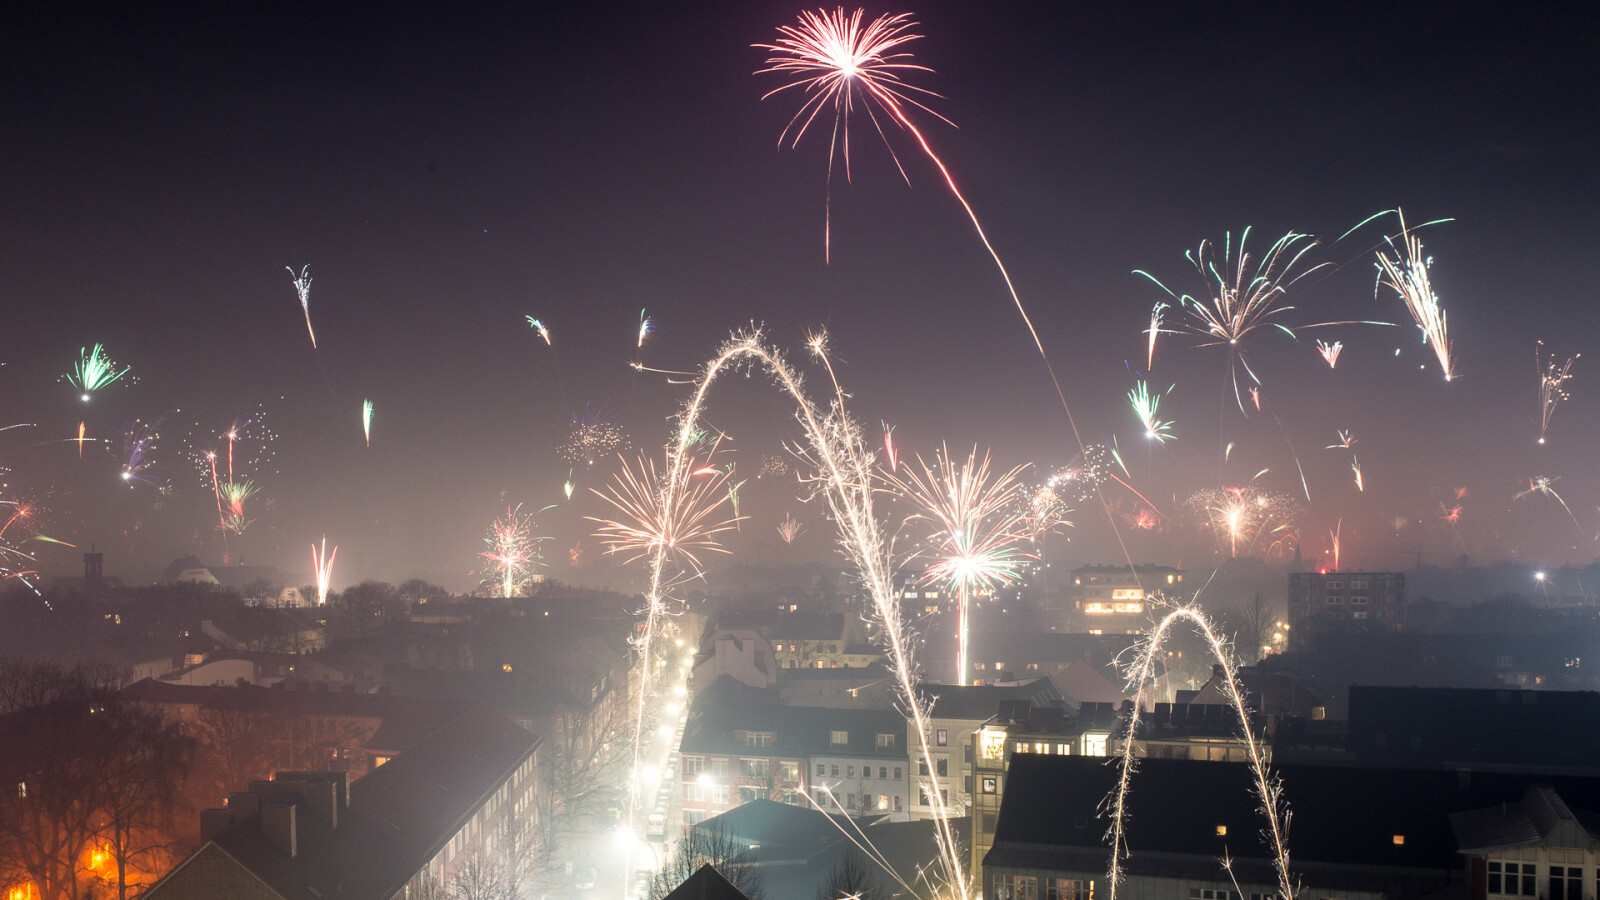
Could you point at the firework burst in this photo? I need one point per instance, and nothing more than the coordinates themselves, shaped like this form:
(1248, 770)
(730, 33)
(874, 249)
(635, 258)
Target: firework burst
(94, 371)
(1544, 484)
(302, 289)
(1245, 519)
(540, 327)
(974, 529)
(592, 437)
(1146, 407)
(679, 524)
(513, 553)
(138, 449)
(1551, 385)
(322, 568)
(1041, 510)
(1404, 270)
(1330, 352)
(790, 528)
(1243, 295)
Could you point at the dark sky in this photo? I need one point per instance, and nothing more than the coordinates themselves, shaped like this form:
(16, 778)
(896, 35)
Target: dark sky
(446, 172)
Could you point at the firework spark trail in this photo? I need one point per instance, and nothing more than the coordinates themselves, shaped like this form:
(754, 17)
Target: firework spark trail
(1333, 536)
(138, 449)
(1544, 484)
(1330, 352)
(540, 327)
(790, 528)
(844, 477)
(302, 289)
(1157, 313)
(1146, 407)
(975, 529)
(366, 420)
(646, 326)
(513, 551)
(1346, 442)
(832, 58)
(83, 427)
(1551, 381)
(1405, 271)
(322, 566)
(1355, 466)
(1269, 788)
(94, 371)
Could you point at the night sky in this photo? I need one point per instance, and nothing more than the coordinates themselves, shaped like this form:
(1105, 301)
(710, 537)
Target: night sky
(447, 171)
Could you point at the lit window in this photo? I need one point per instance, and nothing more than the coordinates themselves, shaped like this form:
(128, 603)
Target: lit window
(838, 737)
(1399, 840)
(1222, 831)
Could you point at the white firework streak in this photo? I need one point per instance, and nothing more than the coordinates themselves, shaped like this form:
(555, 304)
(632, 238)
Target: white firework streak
(843, 465)
(1269, 789)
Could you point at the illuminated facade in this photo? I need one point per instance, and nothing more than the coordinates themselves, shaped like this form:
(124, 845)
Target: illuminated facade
(1113, 599)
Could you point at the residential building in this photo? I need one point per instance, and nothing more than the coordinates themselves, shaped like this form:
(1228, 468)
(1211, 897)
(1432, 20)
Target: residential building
(1113, 599)
(858, 762)
(955, 712)
(1358, 834)
(1537, 847)
(741, 745)
(467, 793)
(1344, 601)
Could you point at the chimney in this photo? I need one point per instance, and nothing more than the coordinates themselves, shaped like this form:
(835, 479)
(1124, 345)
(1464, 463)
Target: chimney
(323, 797)
(213, 821)
(244, 803)
(278, 826)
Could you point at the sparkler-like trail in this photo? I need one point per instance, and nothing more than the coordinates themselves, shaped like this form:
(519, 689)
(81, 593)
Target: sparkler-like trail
(1551, 390)
(836, 449)
(1269, 790)
(322, 566)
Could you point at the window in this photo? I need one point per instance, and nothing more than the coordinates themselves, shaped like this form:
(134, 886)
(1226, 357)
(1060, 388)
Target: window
(1566, 883)
(821, 770)
(922, 767)
(1512, 879)
(749, 794)
(966, 783)
(719, 794)
(1360, 614)
(1068, 889)
(898, 803)
(850, 771)
(943, 766)
(1333, 585)
(1212, 894)
(941, 738)
(838, 737)
(883, 803)
(1358, 585)
(835, 771)
(719, 766)
(897, 772)
(693, 764)
(1094, 744)
(966, 752)
(883, 771)
(758, 739)
(1016, 887)
(1335, 601)
(1358, 601)
(990, 784)
(789, 771)
(886, 742)
(694, 792)
(754, 768)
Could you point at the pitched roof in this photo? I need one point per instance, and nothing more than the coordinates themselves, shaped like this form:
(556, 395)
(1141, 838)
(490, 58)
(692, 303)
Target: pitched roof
(706, 884)
(425, 794)
(979, 702)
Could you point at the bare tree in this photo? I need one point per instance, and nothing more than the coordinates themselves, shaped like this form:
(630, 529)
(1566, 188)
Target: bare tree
(712, 846)
(1252, 623)
(853, 878)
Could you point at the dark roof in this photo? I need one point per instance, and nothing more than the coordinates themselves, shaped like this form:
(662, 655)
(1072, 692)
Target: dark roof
(1533, 730)
(706, 884)
(352, 860)
(426, 794)
(979, 702)
(729, 707)
(1346, 817)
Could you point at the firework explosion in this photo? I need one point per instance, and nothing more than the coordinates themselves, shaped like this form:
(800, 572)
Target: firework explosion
(302, 289)
(1245, 519)
(1041, 510)
(592, 437)
(322, 566)
(539, 326)
(234, 495)
(1544, 484)
(1146, 407)
(1330, 352)
(974, 529)
(94, 371)
(790, 528)
(773, 465)
(15, 562)
(1081, 479)
(1404, 270)
(676, 524)
(138, 447)
(1551, 385)
(1242, 296)
(513, 553)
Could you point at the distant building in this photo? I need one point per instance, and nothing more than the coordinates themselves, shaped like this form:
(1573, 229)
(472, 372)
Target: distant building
(1113, 599)
(1358, 833)
(956, 712)
(467, 793)
(1344, 601)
